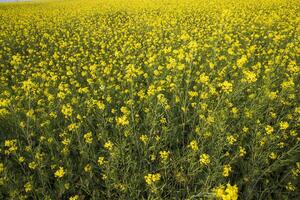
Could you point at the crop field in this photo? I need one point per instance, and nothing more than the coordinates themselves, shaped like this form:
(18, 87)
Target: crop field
(150, 99)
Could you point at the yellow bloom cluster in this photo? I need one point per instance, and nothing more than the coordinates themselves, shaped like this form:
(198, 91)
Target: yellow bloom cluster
(164, 155)
(11, 146)
(152, 178)
(88, 137)
(60, 172)
(227, 170)
(193, 145)
(228, 192)
(226, 87)
(28, 187)
(204, 159)
(108, 145)
(144, 138)
(101, 160)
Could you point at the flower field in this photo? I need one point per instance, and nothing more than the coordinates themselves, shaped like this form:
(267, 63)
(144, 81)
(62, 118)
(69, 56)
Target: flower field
(150, 99)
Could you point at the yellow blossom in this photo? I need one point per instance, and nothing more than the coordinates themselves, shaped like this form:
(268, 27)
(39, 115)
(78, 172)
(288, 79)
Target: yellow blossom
(290, 187)
(273, 155)
(249, 76)
(88, 137)
(230, 192)
(144, 138)
(101, 160)
(32, 165)
(122, 120)
(226, 170)
(193, 145)
(226, 87)
(67, 110)
(283, 125)
(76, 197)
(88, 168)
(269, 129)
(108, 145)
(164, 155)
(204, 159)
(242, 151)
(28, 187)
(152, 178)
(59, 173)
(231, 139)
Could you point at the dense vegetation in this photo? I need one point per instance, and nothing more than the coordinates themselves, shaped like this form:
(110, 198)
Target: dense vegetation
(150, 99)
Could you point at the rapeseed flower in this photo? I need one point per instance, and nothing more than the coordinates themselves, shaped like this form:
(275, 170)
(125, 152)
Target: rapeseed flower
(226, 170)
(152, 178)
(60, 172)
(204, 159)
(193, 145)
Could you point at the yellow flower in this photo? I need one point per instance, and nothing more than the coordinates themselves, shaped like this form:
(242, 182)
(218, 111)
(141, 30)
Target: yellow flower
(88, 137)
(289, 84)
(226, 87)
(210, 119)
(100, 105)
(67, 186)
(272, 95)
(30, 113)
(108, 145)
(3, 112)
(203, 78)
(228, 193)
(249, 76)
(163, 120)
(125, 110)
(193, 145)
(234, 110)
(242, 151)
(273, 155)
(28, 187)
(88, 168)
(32, 165)
(157, 137)
(10, 146)
(193, 93)
(76, 197)
(231, 139)
(290, 187)
(101, 160)
(219, 191)
(245, 129)
(73, 127)
(226, 170)
(231, 192)
(204, 159)
(152, 178)
(283, 125)
(28, 86)
(122, 120)
(164, 155)
(67, 110)
(152, 157)
(16, 59)
(241, 62)
(59, 173)
(269, 129)
(144, 138)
